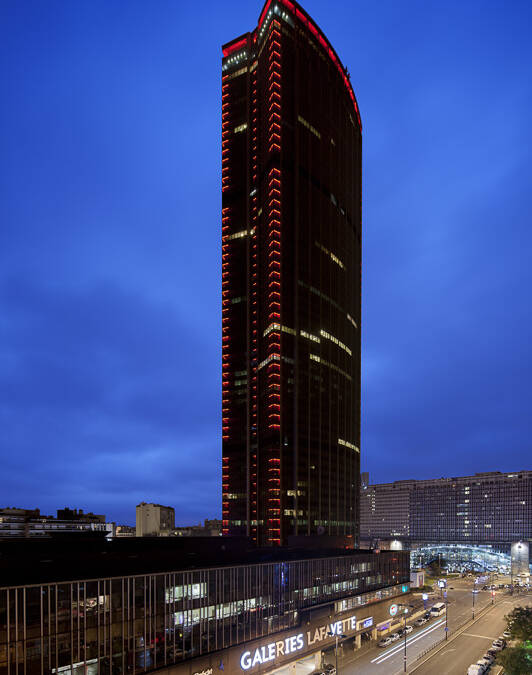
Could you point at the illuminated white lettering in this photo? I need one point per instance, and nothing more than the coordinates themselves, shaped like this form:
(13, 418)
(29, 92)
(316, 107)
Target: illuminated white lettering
(245, 661)
(256, 658)
(271, 651)
(300, 643)
(280, 648)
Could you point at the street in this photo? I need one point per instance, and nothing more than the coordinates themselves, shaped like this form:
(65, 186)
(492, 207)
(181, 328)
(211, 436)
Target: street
(472, 644)
(466, 648)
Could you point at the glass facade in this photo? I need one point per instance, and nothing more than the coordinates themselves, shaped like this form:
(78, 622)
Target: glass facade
(138, 623)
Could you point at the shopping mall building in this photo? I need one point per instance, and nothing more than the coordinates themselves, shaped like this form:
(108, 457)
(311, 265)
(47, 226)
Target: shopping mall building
(189, 606)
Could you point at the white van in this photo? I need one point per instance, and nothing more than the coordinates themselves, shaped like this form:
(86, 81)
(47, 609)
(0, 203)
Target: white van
(438, 609)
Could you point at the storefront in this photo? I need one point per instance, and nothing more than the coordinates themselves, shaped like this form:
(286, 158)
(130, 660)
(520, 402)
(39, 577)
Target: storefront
(318, 631)
(252, 612)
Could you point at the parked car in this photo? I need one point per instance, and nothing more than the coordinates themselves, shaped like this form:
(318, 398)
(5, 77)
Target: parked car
(408, 629)
(329, 669)
(420, 622)
(394, 637)
(476, 669)
(384, 642)
(485, 662)
(488, 657)
(506, 634)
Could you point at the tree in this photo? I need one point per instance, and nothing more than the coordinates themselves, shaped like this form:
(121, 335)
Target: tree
(515, 661)
(435, 566)
(520, 623)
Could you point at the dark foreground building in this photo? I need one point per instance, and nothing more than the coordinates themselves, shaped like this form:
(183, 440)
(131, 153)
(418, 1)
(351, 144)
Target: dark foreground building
(291, 265)
(189, 605)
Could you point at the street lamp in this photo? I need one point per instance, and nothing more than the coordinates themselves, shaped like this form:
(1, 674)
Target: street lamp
(342, 636)
(473, 593)
(405, 612)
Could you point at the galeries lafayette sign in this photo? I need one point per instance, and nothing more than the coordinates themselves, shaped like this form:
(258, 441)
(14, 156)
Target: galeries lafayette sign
(294, 643)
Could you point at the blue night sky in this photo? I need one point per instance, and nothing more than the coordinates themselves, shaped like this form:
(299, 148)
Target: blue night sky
(110, 322)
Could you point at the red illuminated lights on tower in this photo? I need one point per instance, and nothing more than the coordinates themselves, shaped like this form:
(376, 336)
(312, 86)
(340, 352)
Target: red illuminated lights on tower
(277, 431)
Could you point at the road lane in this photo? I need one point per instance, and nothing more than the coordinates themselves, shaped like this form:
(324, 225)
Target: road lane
(473, 643)
(375, 661)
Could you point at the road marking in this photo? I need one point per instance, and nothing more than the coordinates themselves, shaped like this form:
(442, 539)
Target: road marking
(447, 651)
(408, 641)
(398, 648)
(486, 637)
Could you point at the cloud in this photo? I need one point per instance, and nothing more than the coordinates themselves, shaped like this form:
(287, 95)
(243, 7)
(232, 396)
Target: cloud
(109, 391)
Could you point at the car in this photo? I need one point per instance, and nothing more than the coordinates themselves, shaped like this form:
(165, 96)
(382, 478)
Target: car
(485, 662)
(488, 657)
(476, 669)
(420, 622)
(329, 669)
(394, 637)
(408, 629)
(498, 645)
(384, 642)
(507, 634)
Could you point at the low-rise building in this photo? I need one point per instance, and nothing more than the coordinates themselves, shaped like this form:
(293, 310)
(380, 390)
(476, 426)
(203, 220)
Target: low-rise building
(154, 520)
(125, 531)
(30, 523)
(190, 604)
(210, 528)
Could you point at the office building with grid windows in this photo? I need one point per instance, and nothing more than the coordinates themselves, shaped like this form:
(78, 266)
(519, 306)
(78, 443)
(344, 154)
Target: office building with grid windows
(488, 508)
(291, 282)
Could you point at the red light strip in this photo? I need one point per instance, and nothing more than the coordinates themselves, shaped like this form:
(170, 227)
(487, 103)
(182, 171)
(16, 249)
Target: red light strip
(232, 48)
(322, 41)
(226, 309)
(273, 257)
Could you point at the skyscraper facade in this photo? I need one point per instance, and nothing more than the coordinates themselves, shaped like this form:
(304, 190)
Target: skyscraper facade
(291, 282)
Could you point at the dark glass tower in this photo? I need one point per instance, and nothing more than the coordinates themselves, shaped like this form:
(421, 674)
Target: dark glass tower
(291, 272)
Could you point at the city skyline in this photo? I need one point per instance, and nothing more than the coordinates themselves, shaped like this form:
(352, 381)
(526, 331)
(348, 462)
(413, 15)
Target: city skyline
(111, 262)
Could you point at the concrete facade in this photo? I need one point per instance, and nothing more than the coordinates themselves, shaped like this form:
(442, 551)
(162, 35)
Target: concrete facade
(154, 520)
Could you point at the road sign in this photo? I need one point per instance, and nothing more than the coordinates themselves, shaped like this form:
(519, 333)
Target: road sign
(393, 610)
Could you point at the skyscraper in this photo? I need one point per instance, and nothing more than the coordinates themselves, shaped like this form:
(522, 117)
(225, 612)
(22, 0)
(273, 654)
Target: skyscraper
(291, 275)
